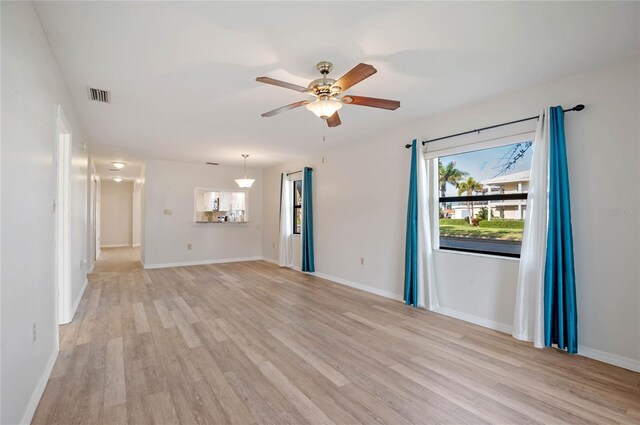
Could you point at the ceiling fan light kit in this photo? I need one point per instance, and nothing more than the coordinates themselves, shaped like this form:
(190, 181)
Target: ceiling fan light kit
(326, 91)
(245, 183)
(324, 107)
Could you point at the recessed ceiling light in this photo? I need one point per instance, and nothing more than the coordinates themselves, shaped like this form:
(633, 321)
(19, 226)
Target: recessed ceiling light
(119, 165)
(117, 179)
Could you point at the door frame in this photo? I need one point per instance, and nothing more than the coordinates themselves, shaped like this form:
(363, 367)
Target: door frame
(63, 218)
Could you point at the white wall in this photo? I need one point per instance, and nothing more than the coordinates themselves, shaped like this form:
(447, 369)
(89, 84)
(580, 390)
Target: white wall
(361, 196)
(32, 89)
(116, 213)
(169, 185)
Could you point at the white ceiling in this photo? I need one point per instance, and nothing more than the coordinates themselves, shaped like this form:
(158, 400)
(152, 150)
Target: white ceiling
(104, 167)
(182, 75)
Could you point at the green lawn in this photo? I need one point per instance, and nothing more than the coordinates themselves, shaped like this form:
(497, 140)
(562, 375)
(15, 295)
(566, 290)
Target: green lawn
(468, 231)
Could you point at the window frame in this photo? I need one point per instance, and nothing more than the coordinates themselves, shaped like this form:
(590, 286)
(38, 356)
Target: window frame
(436, 154)
(295, 206)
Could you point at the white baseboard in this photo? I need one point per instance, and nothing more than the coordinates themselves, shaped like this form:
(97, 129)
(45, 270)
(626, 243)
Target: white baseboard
(116, 246)
(591, 353)
(269, 260)
(39, 389)
(476, 320)
(76, 303)
(614, 359)
(366, 288)
(199, 262)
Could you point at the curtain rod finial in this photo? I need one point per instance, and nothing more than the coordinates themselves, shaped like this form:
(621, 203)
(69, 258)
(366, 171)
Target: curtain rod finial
(408, 145)
(579, 107)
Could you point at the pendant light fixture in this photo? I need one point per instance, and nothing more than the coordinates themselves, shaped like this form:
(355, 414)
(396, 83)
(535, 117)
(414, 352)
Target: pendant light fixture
(245, 183)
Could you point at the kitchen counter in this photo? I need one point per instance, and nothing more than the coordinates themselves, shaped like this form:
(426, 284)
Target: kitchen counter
(221, 222)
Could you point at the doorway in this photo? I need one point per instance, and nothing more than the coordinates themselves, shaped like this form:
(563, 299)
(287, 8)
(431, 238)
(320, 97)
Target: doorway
(63, 219)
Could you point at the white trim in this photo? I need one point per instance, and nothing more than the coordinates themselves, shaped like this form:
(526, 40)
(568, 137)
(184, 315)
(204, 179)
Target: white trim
(39, 389)
(200, 262)
(476, 320)
(614, 359)
(62, 208)
(72, 313)
(126, 245)
(474, 144)
(591, 353)
(135, 245)
(366, 288)
(441, 251)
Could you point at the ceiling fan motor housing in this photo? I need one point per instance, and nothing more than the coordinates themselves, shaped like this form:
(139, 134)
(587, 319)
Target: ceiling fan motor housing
(324, 86)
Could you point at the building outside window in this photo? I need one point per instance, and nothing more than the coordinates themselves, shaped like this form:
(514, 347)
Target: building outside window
(483, 199)
(297, 207)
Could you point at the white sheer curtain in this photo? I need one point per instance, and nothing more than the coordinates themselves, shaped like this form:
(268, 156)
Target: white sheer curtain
(286, 222)
(528, 320)
(427, 207)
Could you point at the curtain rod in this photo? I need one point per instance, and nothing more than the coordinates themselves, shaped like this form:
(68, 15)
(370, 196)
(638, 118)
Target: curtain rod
(299, 171)
(578, 107)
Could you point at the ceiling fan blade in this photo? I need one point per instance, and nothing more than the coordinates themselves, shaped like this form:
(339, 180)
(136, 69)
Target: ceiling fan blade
(279, 83)
(334, 120)
(373, 102)
(353, 77)
(285, 108)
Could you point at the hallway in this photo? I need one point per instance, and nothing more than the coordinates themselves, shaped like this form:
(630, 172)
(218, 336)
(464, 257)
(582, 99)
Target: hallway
(116, 260)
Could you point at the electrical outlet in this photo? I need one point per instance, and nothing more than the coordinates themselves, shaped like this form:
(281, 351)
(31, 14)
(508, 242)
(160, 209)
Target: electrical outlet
(362, 261)
(273, 244)
(34, 332)
(189, 246)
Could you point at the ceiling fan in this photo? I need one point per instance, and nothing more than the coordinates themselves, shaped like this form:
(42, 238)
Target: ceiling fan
(326, 91)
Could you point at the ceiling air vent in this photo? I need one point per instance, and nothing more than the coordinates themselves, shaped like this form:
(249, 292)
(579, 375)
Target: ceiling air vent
(213, 163)
(99, 95)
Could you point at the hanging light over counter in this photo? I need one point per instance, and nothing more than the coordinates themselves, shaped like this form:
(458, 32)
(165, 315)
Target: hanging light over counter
(245, 183)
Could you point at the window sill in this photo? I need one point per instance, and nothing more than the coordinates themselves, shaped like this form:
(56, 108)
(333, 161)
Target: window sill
(476, 254)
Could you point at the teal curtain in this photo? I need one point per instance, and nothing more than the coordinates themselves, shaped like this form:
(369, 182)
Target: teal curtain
(411, 249)
(560, 310)
(308, 262)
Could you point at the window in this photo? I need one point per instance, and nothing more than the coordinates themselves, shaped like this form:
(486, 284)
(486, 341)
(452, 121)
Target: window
(483, 199)
(297, 207)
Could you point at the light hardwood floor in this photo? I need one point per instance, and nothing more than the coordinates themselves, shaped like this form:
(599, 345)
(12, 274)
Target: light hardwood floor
(247, 343)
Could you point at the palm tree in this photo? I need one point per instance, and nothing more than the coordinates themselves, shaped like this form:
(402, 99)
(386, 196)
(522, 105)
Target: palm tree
(449, 174)
(470, 186)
